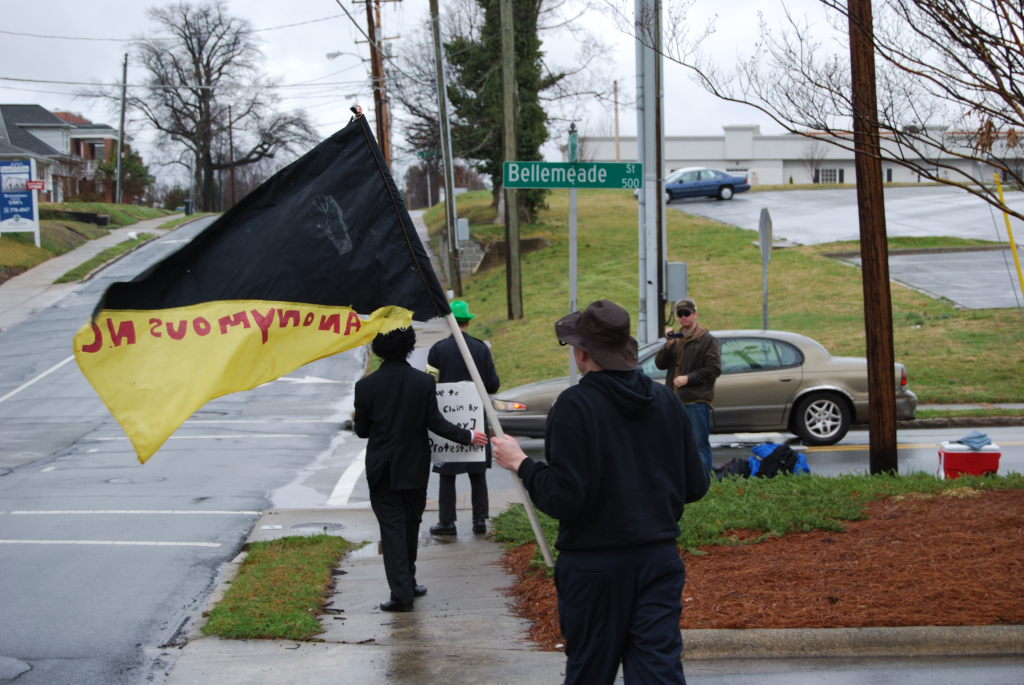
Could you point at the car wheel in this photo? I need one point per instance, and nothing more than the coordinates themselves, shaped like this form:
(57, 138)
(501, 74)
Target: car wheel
(822, 418)
(725, 192)
(668, 196)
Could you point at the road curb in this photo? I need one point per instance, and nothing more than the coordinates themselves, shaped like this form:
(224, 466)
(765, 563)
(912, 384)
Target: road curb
(956, 422)
(913, 641)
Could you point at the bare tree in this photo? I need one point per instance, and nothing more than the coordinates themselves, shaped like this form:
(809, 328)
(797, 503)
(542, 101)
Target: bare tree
(812, 156)
(211, 61)
(950, 93)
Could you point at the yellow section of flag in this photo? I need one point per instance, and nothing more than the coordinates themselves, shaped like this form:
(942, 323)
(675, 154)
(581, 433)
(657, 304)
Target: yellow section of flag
(154, 369)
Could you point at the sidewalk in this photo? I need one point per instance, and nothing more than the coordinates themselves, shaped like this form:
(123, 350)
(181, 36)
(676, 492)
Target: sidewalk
(35, 290)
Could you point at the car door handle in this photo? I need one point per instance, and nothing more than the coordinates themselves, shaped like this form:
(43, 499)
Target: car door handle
(785, 380)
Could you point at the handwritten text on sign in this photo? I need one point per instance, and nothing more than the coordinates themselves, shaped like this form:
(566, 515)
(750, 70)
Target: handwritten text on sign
(460, 404)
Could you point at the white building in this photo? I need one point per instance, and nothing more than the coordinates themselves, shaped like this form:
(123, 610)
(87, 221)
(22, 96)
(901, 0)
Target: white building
(767, 159)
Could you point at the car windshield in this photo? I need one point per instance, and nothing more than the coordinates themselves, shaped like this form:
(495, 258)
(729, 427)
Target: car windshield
(674, 176)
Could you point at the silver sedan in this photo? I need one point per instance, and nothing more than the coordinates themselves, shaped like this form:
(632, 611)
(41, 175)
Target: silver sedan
(771, 380)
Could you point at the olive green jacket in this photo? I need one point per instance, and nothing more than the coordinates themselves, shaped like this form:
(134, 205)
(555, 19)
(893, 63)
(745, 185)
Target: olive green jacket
(698, 356)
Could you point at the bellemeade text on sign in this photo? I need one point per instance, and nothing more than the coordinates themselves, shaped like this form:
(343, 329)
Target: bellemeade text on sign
(572, 175)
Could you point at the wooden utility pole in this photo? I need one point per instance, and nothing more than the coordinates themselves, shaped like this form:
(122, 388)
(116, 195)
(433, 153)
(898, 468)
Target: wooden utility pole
(874, 249)
(447, 161)
(120, 135)
(231, 150)
(380, 103)
(509, 110)
(615, 86)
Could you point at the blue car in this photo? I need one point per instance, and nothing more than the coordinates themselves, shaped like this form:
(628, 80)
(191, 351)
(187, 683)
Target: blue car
(703, 182)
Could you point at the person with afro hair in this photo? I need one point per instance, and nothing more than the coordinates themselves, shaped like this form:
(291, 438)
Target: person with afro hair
(395, 406)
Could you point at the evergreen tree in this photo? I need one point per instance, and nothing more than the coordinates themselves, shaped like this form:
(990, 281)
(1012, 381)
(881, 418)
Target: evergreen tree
(475, 94)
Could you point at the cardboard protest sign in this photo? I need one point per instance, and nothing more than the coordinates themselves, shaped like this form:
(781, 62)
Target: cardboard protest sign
(460, 404)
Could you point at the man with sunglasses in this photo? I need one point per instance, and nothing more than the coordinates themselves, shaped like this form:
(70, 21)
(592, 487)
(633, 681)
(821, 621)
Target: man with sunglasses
(693, 359)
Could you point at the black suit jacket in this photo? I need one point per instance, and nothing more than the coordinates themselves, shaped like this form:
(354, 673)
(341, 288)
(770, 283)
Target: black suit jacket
(395, 405)
(446, 358)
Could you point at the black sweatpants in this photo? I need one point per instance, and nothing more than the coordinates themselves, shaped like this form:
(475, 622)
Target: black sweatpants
(399, 513)
(621, 605)
(446, 497)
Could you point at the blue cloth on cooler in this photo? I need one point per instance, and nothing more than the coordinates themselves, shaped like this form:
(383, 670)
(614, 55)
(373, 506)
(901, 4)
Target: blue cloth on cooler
(975, 440)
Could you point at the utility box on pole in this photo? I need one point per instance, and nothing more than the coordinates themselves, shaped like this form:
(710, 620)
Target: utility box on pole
(677, 285)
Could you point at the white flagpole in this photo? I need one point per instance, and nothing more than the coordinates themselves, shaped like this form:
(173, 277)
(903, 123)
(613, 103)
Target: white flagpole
(492, 417)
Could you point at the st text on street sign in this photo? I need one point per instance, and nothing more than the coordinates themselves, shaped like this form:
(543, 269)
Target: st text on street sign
(572, 175)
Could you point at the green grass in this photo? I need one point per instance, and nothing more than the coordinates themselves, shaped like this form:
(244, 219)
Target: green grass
(951, 355)
(185, 219)
(59, 233)
(773, 507)
(120, 215)
(80, 271)
(908, 243)
(761, 188)
(279, 590)
(954, 413)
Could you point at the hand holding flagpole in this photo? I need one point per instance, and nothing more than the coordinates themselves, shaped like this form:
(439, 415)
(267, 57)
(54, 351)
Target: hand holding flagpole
(493, 418)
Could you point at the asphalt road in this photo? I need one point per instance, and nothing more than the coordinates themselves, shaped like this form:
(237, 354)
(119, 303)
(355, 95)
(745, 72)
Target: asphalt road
(105, 562)
(809, 217)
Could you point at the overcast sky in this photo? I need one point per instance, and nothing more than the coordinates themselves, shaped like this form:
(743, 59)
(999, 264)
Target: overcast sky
(298, 54)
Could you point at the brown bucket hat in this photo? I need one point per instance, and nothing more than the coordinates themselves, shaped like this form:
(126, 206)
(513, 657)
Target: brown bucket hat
(601, 330)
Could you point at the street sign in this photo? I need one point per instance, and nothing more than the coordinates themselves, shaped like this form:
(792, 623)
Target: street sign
(424, 154)
(572, 175)
(764, 232)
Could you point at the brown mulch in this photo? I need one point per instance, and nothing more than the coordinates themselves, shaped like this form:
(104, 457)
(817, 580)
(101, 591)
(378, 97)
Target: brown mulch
(916, 561)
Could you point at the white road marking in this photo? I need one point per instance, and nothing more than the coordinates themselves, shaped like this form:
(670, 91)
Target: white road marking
(142, 511)
(218, 437)
(129, 543)
(343, 490)
(48, 469)
(41, 376)
(304, 380)
(260, 421)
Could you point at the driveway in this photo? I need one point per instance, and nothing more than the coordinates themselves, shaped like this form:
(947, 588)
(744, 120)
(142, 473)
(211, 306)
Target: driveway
(809, 217)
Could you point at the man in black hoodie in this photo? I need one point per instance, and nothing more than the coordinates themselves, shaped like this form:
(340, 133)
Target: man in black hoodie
(621, 463)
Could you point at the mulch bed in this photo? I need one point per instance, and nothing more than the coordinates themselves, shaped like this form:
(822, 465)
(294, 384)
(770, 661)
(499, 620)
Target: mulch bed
(950, 560)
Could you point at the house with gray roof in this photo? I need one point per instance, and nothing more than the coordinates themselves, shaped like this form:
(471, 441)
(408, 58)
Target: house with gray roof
(66, 147)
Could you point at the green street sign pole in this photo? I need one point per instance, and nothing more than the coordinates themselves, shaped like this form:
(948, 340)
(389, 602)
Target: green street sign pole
(573, 175)
(573, 158)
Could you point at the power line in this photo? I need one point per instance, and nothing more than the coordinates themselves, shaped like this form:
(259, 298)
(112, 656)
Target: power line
(184, 87)
(129, 40)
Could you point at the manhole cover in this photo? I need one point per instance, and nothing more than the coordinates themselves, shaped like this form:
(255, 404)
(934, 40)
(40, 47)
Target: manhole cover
(316, 527)
(138, 479)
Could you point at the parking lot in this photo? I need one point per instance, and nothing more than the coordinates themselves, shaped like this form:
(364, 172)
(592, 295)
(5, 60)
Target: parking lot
(974, 280)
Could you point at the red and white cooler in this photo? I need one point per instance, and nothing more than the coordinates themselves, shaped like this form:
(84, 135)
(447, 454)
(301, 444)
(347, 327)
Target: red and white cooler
(956, 459)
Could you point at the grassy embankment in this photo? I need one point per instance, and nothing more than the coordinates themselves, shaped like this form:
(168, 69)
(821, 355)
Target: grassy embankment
(776, 506)
(186, 219)
(952, 355)
(280, 590)
(60, 233)
(83, 269)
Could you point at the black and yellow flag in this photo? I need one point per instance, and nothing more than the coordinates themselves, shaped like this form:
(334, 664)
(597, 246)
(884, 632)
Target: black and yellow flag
(317, 260)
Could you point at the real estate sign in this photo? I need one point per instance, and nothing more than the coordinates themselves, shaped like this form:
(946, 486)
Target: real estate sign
(19, 205)
(572, 175)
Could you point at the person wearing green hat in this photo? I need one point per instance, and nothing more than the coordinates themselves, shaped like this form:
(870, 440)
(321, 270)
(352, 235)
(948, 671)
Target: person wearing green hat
(447, 359)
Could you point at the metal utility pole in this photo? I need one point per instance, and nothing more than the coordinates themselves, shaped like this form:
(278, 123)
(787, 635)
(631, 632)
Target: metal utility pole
(874, 249)
(509, 112)
(120, 134)
(650, 143)
(454, 274)
(615, 88)
(380, 103)
(231, 150)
